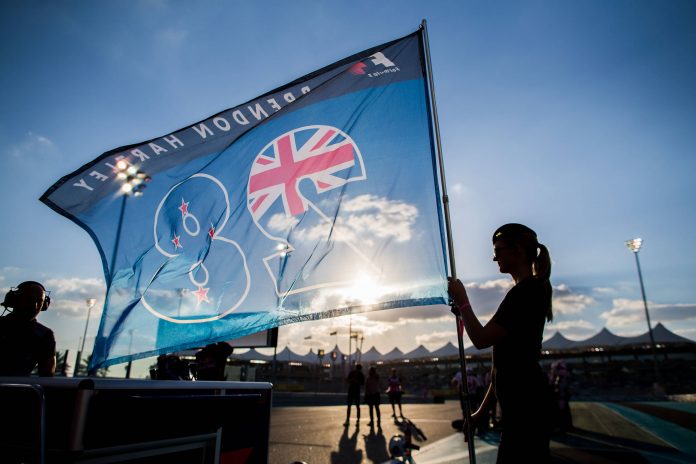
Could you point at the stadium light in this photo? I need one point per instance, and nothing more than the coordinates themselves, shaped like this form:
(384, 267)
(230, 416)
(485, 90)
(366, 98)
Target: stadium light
(130, 348)
(635, 245)
(132, 179)
(90, 304)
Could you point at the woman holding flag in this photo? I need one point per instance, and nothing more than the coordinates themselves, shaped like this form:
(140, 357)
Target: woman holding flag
(515, 332)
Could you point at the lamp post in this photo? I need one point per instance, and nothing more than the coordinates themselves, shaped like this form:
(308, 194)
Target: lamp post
(133, 183)
(334, 356)
(634, 245)
(335, 333)
(182, 292)
(130, 347)
(90, 304)
(320, 371)
(350, 340)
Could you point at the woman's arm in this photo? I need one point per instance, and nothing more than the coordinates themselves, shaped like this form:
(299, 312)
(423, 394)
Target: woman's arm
(481, 336)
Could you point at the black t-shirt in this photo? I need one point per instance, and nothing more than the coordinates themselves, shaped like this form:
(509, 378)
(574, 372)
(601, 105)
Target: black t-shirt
(520, 385)
(23, 344)
(516, 358)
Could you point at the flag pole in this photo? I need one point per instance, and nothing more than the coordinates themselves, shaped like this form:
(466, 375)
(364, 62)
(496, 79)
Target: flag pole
(464, 390)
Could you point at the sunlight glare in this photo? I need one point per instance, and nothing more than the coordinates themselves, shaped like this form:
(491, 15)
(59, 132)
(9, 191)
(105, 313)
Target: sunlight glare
(365, 289)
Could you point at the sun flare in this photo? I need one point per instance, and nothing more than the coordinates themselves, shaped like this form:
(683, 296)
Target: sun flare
(365, 289)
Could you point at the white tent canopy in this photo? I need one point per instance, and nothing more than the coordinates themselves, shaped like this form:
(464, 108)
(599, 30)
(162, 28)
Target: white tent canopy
(604, 338)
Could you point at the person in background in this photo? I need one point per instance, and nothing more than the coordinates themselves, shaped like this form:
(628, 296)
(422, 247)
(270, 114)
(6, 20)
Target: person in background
(473, 386)
(559, 379)
(372, 395)
(211, 361)
(171, 367)
(24, 342)
(515, 332)
(394, 390)
(355, 380)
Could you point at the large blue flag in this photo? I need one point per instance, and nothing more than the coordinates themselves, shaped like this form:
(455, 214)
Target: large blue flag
(317, 199)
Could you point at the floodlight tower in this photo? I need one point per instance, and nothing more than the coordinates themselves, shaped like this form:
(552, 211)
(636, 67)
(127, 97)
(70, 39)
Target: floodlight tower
(133, 182)
(634, 245)
(90, 304)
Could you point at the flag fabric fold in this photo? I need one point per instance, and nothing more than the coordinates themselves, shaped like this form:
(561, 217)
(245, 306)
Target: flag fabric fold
(317, 199)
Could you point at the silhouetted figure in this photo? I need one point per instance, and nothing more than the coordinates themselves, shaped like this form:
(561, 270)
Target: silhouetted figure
(24, 342)
(211, 361)
(395, 390)
(376, 446)
(515, 332)
(559, 379)
(171, 367)
(355, 380)
(473, 386)
(347, 448)
(401, 446)
(372, 395)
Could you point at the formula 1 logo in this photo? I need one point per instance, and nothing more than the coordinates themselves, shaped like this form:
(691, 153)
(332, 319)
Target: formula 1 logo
(378, 65)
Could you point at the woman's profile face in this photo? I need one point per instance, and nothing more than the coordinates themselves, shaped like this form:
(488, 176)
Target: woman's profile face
(506, 255)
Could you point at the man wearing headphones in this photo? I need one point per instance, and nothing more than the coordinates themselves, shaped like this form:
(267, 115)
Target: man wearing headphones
(24, 342)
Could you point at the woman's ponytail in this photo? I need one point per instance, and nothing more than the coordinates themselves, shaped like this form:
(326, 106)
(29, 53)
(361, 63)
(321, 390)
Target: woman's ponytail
(542, 271)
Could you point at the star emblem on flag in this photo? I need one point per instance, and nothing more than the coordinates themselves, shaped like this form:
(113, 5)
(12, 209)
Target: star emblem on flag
(184, 207)
(177, 242)
(202, 294)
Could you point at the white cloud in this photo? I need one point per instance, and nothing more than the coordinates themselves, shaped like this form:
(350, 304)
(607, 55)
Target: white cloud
(412, 315)
(571, 304)
(604, 290)
(32, 145)
(496, 284)
(688, 333)
(436, 340)
(9, 269)
(486, 296)
(575, 325)
(457, 189)
(364, 217)
(432, 317)
(281, 223)
(626, 312)
(69, 295)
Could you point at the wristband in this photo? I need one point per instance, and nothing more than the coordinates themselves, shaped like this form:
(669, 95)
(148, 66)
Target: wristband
(464, 306)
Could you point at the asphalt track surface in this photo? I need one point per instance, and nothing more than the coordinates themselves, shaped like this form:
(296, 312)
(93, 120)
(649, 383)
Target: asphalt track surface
(605, 433)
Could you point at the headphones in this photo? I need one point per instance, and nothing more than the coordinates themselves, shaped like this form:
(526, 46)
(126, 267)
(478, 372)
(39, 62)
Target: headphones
(12, 297)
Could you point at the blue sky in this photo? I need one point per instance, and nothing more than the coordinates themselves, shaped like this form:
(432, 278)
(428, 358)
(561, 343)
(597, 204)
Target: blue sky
(576, 118)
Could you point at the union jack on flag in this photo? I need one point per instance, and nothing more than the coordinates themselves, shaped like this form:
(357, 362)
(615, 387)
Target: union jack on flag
(324, 158)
